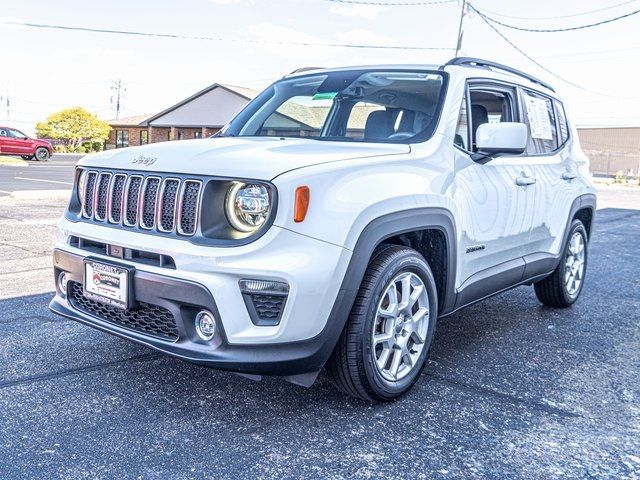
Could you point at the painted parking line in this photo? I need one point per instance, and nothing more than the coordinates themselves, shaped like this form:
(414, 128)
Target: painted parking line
(43, 180)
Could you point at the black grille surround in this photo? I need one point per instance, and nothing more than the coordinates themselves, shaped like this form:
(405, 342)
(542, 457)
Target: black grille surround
(144, 318)
(185, 207)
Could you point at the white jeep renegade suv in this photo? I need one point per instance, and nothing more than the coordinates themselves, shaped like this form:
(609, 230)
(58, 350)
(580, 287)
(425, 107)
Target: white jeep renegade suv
(332, 222)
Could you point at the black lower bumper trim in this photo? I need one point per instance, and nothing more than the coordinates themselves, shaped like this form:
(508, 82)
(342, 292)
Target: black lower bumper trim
(184, 299)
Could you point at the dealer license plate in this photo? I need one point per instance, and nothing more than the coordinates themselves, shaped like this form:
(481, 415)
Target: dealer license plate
(108, 284)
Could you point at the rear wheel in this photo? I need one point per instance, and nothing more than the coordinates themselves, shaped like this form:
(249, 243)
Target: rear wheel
(563, 287)
(383, 348)
(42, 154)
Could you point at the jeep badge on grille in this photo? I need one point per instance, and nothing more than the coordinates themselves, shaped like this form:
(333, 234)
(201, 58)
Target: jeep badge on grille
(142, 160)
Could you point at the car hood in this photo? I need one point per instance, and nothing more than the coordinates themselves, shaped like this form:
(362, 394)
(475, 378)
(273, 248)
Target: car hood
(257, 157)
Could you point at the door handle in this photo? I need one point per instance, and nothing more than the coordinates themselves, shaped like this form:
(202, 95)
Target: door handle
(569, 175)
(524, 181)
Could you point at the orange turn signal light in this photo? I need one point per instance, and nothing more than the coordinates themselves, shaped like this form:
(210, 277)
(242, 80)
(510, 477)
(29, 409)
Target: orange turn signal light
(302, 204)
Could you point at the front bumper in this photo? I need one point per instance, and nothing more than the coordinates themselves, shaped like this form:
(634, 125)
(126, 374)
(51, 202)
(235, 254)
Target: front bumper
(184, 299)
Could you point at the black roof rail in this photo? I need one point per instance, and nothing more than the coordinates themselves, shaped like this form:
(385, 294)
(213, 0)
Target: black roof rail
(478, 62)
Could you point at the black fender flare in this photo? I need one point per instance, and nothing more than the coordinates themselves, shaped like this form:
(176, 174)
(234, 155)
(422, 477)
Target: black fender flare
(371, 236)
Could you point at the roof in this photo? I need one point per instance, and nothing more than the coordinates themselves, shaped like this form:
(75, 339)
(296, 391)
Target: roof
(312, 70)
(134, 121)
(468, 65)
(244, 92)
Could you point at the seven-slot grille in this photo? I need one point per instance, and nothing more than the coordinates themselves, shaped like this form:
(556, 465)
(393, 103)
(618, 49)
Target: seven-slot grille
(148, 202)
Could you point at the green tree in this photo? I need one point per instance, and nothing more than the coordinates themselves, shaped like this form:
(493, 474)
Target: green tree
(74, 126)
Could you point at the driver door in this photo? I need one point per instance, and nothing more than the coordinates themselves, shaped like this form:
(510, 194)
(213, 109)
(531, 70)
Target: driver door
(495, 199)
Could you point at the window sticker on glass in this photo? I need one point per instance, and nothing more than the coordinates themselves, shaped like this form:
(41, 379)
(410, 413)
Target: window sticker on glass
(539, 120)
(325, 96)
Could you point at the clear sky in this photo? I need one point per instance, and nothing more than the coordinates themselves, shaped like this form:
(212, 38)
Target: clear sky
(46, 70)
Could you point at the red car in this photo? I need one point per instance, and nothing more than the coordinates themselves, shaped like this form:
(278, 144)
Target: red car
(14, 142)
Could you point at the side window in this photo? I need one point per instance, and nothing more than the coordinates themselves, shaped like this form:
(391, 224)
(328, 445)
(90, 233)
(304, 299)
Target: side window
(539, 117)
(3, 132)
(16, 134)
(563, 126)
(461, 138)
(489, 106)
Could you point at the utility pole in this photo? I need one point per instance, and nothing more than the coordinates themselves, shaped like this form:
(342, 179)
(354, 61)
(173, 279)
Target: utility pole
(463, 12)
(119, 89)
(7, 102)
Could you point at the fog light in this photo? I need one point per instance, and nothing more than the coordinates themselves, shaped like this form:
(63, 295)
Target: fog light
(205, 325)
(62, 283)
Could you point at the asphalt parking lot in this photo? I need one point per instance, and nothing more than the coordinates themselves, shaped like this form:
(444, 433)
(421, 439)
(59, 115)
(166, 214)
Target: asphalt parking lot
(34, 176)
(513, 389)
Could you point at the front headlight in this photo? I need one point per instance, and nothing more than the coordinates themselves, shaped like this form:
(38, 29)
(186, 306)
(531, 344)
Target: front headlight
(247, 206)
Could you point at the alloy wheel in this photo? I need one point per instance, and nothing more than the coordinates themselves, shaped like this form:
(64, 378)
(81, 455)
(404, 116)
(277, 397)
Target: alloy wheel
(401, 325)
(574, 264)
(42, 154)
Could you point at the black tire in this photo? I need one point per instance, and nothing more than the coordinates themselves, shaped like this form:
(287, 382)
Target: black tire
(552, 291)
(42, 154)
(27, 157)
(352, 364)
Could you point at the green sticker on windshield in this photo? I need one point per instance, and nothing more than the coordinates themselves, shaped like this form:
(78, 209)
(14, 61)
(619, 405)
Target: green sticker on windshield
(325, 96)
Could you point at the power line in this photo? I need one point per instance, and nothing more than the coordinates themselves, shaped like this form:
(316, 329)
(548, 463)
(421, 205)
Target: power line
(218, 39)
(554, 30)
(557, 17)
(50, 104)
(394, 4)
(550, 72)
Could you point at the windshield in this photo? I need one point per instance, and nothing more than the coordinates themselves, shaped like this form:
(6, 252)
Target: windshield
(356, 106)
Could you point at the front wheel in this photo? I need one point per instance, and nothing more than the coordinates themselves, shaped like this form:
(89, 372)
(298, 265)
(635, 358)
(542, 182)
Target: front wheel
(383, 348)
(42, 154)
(563, 287)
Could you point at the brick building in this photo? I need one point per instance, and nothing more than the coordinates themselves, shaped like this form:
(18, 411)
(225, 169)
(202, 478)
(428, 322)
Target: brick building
(198, 116)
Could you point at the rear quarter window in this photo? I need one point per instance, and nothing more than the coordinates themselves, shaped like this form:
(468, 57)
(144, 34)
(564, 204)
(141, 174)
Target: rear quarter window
(563, 126)
(539, 117)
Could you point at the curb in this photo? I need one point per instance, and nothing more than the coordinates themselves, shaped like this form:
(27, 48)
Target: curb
(13, 163)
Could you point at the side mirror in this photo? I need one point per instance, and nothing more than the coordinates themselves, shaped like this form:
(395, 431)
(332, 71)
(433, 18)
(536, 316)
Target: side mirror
(508, 138)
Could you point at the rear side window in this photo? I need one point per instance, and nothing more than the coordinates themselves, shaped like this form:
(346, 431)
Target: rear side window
(563, 126)
(540, 118)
